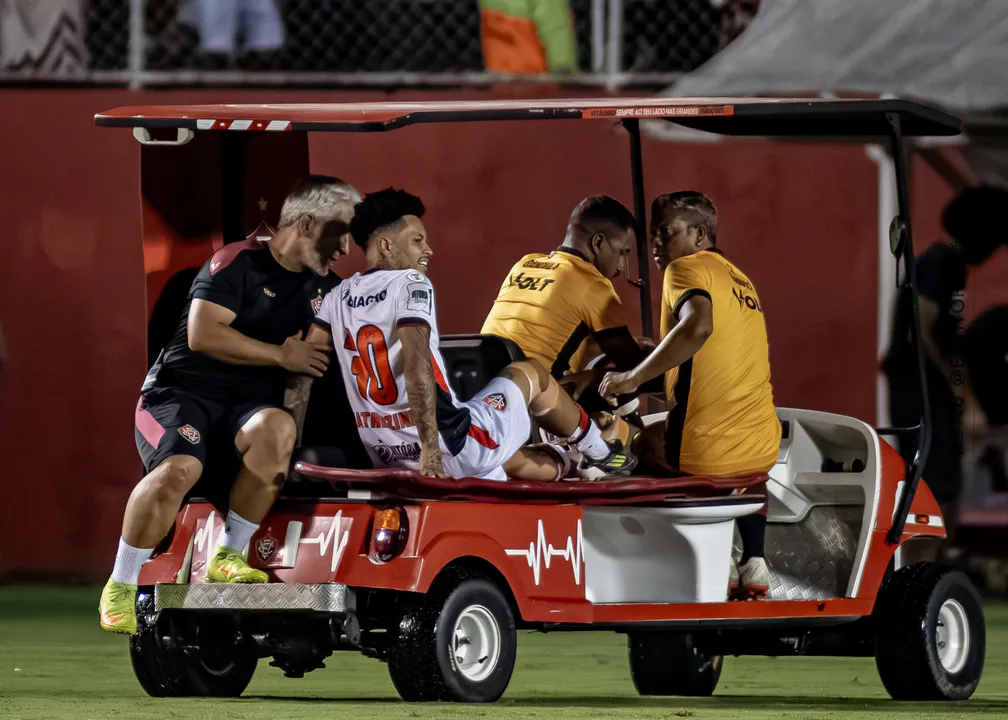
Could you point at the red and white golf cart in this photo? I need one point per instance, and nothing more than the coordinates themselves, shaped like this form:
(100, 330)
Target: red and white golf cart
(435, 576)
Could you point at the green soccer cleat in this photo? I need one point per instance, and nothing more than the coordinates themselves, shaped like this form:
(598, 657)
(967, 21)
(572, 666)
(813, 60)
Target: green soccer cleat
(618, 462)
(117, 607)
(228, 566)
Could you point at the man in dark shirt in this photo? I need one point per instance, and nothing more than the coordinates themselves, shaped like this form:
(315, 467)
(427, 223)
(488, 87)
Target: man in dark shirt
(225, 371)
(970, 224)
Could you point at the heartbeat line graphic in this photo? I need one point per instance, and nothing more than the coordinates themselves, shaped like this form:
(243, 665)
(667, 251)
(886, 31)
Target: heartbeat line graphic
(204, 539)
(541, 553)
(324, 540)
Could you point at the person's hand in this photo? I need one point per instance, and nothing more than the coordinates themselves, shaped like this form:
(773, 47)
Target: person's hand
(303, 356)
(617, 383)
(431, 463)
(575, 383)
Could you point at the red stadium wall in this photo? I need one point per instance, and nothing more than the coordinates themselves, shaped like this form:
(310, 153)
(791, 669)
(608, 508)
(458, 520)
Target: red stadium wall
(799, 220)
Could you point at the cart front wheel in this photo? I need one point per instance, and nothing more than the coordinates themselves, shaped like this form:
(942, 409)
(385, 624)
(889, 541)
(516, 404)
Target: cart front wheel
(930, 637)
(458, 643)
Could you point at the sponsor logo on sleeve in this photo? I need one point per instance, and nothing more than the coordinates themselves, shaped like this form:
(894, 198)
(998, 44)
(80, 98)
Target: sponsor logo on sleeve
(497, 401)
(418, 297)
(414, 276)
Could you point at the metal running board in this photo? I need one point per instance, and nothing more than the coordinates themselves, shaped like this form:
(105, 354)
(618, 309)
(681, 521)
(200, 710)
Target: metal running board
(324, 597)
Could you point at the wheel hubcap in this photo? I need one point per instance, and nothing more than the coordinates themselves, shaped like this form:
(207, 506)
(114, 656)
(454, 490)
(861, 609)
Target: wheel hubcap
(476, 643)
(952, 636)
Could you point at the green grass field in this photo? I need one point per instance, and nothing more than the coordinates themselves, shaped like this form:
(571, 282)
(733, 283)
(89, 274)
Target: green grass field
(56, 663)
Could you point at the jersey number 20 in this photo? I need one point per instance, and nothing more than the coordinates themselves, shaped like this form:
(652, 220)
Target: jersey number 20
(371, 365)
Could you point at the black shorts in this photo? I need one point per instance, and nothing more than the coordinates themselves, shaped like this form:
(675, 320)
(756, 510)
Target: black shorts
(173, 422)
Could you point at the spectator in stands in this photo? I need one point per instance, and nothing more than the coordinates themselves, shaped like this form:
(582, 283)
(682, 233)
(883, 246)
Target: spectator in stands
(985, 350)
(218, 22)
(527, 36)
(970, 224)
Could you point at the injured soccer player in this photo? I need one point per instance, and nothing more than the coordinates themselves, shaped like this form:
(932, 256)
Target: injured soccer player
(383, 324)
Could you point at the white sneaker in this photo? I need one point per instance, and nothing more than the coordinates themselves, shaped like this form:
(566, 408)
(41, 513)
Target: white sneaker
(754, 578)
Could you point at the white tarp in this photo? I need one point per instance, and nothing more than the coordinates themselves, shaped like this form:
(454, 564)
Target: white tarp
(43, 36)
(953, 53)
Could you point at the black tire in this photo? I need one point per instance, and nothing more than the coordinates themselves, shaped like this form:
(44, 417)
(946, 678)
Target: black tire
(222, 670)
(422, 658)
(669, 664)
(906, 618)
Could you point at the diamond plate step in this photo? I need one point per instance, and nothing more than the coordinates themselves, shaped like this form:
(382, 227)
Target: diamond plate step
(325, 597)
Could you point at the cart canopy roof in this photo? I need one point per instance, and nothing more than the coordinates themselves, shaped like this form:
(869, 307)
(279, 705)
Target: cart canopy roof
(777, 117)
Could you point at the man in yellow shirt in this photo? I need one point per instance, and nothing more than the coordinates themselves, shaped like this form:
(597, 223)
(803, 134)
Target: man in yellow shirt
(715, 357)
(550, 304)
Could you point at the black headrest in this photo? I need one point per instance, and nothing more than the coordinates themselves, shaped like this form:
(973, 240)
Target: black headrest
(474, 360)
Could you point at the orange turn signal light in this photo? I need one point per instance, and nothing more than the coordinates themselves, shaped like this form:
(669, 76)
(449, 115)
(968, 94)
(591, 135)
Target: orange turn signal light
(390, 532)
(387, 520)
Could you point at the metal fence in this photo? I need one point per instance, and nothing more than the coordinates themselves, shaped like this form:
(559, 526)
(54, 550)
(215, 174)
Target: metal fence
(342, 42)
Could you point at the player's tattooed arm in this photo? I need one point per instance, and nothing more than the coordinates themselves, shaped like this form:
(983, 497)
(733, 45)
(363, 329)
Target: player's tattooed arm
(422, 392)
(299, 386)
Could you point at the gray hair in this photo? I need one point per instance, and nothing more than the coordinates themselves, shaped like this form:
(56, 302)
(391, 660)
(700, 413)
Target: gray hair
(323, 196)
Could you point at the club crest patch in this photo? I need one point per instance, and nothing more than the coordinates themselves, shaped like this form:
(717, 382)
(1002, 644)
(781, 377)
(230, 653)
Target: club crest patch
(265, 547)
(497, 401)
(190, 433)
(316, 303)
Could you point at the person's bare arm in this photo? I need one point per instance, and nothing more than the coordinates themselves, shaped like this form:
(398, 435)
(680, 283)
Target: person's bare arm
(422, 392)
(299, 386)
(696, 323)
(210, 332)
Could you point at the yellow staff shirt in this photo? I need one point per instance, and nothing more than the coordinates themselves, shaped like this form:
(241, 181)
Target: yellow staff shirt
(549, 304)
(723, 420)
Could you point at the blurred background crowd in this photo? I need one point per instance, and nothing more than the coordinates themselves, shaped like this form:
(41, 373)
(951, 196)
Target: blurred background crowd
(73, 37)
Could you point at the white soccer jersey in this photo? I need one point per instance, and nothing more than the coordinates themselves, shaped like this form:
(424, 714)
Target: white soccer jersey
(363, 313)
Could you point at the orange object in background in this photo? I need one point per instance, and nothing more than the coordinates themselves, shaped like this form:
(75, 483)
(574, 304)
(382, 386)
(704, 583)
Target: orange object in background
(527, 37)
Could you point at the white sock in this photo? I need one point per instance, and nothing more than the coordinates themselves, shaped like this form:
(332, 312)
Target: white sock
(592, 444)
(237, 532)
(128, 562)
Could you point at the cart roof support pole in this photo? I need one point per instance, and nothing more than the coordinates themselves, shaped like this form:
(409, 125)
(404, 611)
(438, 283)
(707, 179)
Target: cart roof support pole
(643, 257)
(887, 264)
(909, 266)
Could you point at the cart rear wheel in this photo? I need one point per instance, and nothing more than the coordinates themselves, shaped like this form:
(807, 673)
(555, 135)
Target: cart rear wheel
(669, 664)
(930, 635)
(458, 643)
(218, 668)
